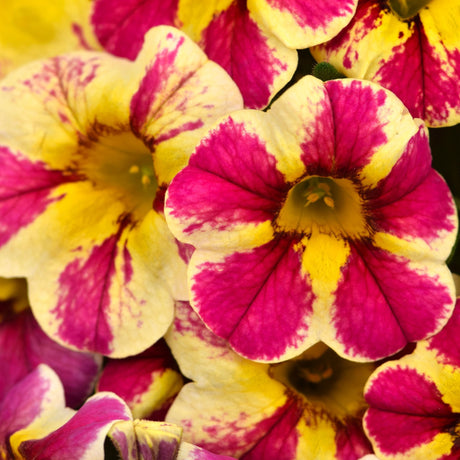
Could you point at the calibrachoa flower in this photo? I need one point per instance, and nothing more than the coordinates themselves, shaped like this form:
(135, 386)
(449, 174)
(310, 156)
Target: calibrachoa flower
(32, 30)
(147, 382)
(320, 219)
(77, 137)
(253, 40)
(415, 402)
(410, 47)
(23, 346)
(310, 407)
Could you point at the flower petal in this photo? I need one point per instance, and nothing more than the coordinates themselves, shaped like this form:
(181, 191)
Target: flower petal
(23, 346)
(270, 318)
(397, 301)
(301, 24)
(83, 435)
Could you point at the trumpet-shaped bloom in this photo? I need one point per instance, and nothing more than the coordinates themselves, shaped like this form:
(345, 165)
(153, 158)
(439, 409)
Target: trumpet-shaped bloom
(320, 219)
(414, 402)
(306, 408)
(23, 346)
(410, 47)
(33, 30)
(80, 197)
(253, 40)
(147, 382)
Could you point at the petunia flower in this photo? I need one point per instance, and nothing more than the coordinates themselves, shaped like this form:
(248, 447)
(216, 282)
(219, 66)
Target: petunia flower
(33, 30)
(253, 40)
(410, 47)
(77, 136)
(320, 219)
(309, 407)
(414, 402)
(147, 382)
(23, 346)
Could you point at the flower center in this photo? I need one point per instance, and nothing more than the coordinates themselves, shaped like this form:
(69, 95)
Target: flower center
(326, 204)
(407, 9)
(323, 378)
(122, 164)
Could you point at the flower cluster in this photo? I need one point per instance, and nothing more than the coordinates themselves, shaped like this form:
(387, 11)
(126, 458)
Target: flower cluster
(212, 247)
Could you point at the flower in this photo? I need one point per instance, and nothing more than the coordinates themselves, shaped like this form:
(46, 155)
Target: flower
(78, 134)
(306, 408)
(320, 219)
(410, 47)
(414, 401)
(253, 40)
(33, 30)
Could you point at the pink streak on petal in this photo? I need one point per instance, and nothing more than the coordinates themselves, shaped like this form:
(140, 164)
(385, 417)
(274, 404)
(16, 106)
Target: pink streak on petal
(403, 72)
(280, 441)
(25, 189)
(381, 304)
(426, 212)
(234, 40)
(78, 32)
(190, 126)
(231, 178)
(406, 410)
(312, 14)
(351, 441)
(446, 341)
(319, 148)
(367, 17)
(258, 300)
(80, 434)
(154, 82)
(22, 404)
(409, 172)
(23, 346)
(120, 25)
(83, 305)
(358, 130)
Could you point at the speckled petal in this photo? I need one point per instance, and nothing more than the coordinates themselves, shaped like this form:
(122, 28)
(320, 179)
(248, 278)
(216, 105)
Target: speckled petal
(301, 24)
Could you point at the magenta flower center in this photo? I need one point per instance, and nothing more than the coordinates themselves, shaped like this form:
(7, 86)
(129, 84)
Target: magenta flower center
(323, 204)
(321, 377)
(407, 9)
(122, 164)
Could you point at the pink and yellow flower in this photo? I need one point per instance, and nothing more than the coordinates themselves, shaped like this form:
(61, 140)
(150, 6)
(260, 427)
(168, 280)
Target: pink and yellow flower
(80, 197)
(310, 407)
(410, 47)
(253, 40)
(415, 402)
(320, 219)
